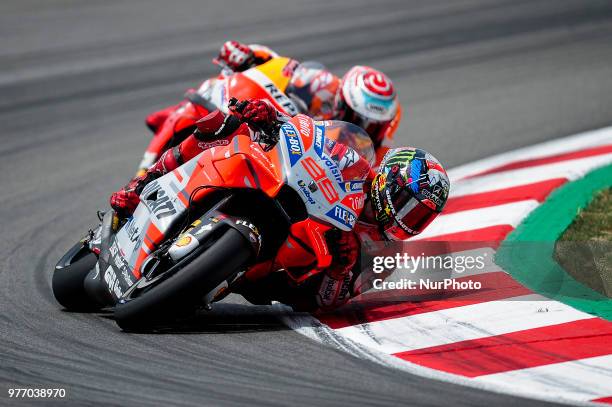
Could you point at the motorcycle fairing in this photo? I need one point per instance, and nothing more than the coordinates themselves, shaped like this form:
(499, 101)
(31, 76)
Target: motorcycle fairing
(162, 202)
(242, 164)
(325, 193)
(267, 81)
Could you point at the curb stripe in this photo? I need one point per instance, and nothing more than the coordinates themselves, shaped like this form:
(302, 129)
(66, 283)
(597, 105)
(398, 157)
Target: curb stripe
(534, 162)
(580, 380)
(507, 214)
(537, 190)
(520, 342)
(576, 142)
(493, 234)
(534, 266)
(460, 324)
(519, 350)
(572, 169)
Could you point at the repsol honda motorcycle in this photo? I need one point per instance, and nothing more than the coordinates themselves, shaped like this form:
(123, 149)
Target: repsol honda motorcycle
(267, 81)
(221, 217)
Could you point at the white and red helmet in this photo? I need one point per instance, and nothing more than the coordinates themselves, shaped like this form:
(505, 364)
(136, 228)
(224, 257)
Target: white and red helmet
(367, 98)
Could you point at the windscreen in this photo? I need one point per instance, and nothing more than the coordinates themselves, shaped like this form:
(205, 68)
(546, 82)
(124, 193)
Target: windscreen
(350, 147)
(351, 136)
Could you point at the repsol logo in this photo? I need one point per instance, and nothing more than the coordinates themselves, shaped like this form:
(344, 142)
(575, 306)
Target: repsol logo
(281, 99)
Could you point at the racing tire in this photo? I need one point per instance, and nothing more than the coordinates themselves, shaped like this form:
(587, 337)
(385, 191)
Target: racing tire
(68, 286)
(181, 293)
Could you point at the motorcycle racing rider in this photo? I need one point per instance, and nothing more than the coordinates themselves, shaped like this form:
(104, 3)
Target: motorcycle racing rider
(407, 192)
(364, 96)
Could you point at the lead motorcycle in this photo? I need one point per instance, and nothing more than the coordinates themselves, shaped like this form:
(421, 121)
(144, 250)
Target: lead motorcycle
(220, 218)
(267, 81)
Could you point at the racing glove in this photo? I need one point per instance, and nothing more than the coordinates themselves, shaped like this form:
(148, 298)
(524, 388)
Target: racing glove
(258, 113)
(335, 287)
(125, 201)
(235, 55)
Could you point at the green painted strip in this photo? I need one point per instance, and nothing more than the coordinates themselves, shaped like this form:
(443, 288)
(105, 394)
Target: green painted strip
(527, 252)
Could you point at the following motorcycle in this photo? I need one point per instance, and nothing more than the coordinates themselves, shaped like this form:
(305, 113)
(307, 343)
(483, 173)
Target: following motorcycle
(267, 81)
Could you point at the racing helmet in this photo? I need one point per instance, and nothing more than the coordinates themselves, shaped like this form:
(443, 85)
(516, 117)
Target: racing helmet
(408, 192)
(367, 98)
(313, 88)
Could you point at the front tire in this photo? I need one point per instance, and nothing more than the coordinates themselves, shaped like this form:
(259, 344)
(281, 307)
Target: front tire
(182, 292)
(68, 280)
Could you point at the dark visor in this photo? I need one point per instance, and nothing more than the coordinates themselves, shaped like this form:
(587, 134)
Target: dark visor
(411, 218)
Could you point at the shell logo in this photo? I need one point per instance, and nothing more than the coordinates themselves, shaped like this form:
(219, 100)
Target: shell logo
(183, 241)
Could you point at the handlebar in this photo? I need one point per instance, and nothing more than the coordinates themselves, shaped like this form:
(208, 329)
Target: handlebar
(268, 136)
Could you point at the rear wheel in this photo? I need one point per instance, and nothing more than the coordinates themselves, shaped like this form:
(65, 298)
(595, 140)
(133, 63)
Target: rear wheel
(182, 292)
(69, 277)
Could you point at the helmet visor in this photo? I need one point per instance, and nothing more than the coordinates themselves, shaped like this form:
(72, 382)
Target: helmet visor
(411, 218)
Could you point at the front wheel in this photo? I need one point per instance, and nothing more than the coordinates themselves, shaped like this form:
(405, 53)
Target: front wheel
(68, 279)
(183, 291)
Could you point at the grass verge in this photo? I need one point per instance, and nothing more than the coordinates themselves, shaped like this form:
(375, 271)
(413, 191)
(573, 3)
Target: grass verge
(584, 249)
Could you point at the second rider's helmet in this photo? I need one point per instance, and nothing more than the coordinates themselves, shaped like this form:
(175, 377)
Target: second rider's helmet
(408, 192)
(367, 98)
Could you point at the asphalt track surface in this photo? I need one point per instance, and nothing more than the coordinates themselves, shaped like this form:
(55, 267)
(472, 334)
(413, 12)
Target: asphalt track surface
(76, 81)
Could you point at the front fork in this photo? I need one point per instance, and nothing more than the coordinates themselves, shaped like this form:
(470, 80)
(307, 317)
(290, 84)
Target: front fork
(197, 237)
